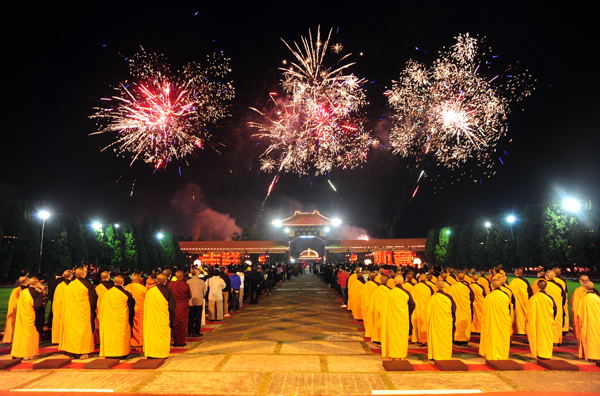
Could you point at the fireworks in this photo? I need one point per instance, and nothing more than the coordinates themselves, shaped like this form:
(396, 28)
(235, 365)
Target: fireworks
(318, 125)
(159, 115)
(451, 111)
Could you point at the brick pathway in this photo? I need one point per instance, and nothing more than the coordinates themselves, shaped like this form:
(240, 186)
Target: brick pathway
(299, 341)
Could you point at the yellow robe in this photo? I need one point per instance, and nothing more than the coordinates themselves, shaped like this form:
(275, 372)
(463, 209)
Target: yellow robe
(365, 298)
(11, 315)
(450, 280)
(512, 305)
(58, 303)
(541, 309)
(589, 323)
(421, 294)
(497, 275)
(375, 306)
(521, 291)
(480, 294)
(432, 284)
(468, 279)
(440, 326)
(534, 286)
(100, 290)
(408, 286)
(391, 283)
(565, 305)
(378, 278)
(77, 336)
(115, 328)
(485, 283)
(26, 339)
(351, 280)
(395, 318)
(157, 330)
(357, 287)
(463, 298)
(138, 292)
(576, 297)
(557, 293)
(495, 332)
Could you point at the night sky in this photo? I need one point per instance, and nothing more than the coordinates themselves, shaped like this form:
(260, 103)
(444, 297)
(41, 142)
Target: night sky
(58, 60)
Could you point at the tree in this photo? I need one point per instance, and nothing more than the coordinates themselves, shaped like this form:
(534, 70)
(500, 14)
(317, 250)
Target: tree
(529, 251)
(463, 254)
(113, 246)
(576, 252)
(553, 236)
(441, 249)
(129, 251)
(148, 236)
(478, 239)
(78, 249)
(143, 263)
(495, 241)
(56, 249)
(432, 239)
(453, 244)
(249, 234)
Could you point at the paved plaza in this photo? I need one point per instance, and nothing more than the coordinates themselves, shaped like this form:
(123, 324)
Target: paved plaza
(298, 341)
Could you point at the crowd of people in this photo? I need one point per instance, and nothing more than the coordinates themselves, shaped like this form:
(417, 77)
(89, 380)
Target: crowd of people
(118, 311)
(442, 309)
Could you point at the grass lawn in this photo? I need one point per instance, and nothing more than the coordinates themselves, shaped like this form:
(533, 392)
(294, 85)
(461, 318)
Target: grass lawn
(571, 285)
(4, 297)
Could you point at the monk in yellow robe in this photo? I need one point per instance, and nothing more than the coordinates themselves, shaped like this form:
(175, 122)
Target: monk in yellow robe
(105, 285)
(365, 299)
(541, 312)
(563, 284)
(351, 279)
(421, 294)
(522, 293)
(431, 282)
(440, 324)
(502, 279)
(391, 282)
(79, 317)
(58, 303)
(541, 275)
(138, 292)
(479, 293)
(589, 323)
(159, 319)
(463, 297)
(491, 276)
(485, 282)
(29, 323)
(379, 275)
(11, 314)
(374, 312)
(556, 291)
(576, 297)
(395, 321)
(433, 277)
(357, 295)
(451, 277)
(409, 281)
(495, 332)
(116, 321)
(468, 278)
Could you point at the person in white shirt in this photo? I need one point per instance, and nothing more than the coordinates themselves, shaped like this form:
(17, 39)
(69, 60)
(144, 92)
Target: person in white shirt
(215, 296)
(197, 308)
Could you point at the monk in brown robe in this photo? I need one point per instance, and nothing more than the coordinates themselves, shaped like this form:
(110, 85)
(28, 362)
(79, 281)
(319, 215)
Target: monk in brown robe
(181, 291)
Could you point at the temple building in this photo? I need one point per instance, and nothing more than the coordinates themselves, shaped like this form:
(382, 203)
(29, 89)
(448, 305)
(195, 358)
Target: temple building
(307, 238)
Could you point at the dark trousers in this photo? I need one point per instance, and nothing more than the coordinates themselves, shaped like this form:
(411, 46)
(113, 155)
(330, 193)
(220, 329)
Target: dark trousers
(234, 301)
(195, 320)
(254, 293)
(269, 286)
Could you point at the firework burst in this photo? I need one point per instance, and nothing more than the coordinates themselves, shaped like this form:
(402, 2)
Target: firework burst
(318, 125)
(452, 112)
(159, 116)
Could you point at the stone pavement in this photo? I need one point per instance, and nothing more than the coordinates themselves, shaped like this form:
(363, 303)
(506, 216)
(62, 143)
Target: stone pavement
(297, 341)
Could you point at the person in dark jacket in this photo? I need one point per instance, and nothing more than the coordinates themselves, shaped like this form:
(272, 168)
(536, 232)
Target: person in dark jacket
(255, 280)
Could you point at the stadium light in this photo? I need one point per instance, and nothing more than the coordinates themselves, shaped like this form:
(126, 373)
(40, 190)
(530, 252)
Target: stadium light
(336, 222)
(327, 229)
(511, 219)
(277, 223)
(571, 204)
(96, 225)
(117, 225)
(160, 235)
(488, 224)
(287, 230)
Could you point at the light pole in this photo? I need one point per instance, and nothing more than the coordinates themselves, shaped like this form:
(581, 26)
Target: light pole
(511, 220)
(42, 215)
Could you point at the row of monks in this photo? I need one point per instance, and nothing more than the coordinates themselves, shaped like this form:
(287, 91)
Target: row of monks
(111, 315)
(440, 312)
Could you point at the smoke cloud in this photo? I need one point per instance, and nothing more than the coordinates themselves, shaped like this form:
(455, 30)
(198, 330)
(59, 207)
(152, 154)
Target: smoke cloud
(350, 232)
(202, 221)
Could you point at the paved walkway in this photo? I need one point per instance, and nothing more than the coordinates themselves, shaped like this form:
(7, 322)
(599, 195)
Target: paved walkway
(297, 341)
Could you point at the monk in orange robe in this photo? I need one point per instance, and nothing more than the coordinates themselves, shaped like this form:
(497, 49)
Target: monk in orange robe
(351, 279)
(105, 285)
(138, 292)
(496, 329)
(159, 317)
(374, 312)
(589, 323)
(440, 324)
(116, 321)
(365, 298)
(576, 297)
(29, 323)
(11, 315)
(463, 297)
(479, 293)
(541, 312)
(541, 275)
(451, 277)
(431, 280)
(421, 295)
(485, 282)
(522, 293)
(58, 303)
(79, 317)
(357, 287)
(395, 321)
(563, 284)
(555, 290)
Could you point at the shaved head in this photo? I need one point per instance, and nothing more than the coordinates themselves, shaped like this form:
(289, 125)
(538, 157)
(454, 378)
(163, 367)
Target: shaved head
(423, 277)
(502, 279)
(583, 279)
(150, 281)
(519, 271)
(589, 286)
(496, 284)
(398, 280)
(460, 276)
(440, 284)
(384, 279)
(373, 274)
(556, 271)
(136, 278)
(119, 280)
(482, 273)
(23, 281)
(80, 273)
(550, 275)
(68, 274)
(179, 275)
(444, 275)
(161, 279)
(542, 284)
(475, 277)
(34, 281)
(105, 276)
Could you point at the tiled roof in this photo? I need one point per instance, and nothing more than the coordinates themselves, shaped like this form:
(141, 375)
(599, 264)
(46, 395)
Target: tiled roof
(233, 246)
(307, 219)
